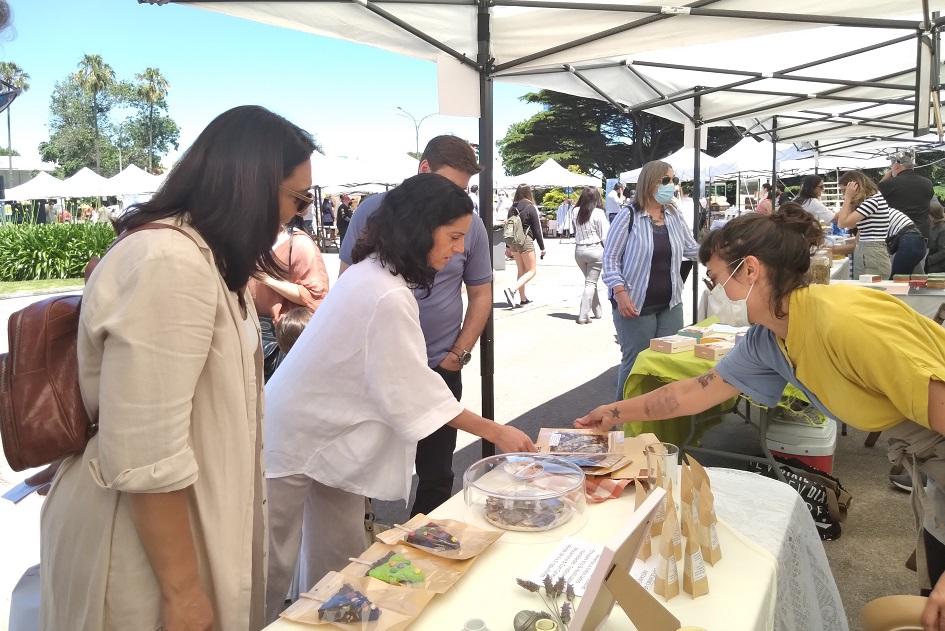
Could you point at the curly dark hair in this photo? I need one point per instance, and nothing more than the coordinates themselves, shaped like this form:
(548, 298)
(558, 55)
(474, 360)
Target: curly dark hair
(400, 233)
(783, 241)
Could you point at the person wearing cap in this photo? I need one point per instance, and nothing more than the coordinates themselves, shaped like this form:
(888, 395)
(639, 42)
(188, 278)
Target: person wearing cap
(907, 191)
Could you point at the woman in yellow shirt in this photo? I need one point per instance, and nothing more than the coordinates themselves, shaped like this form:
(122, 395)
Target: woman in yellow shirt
(860, 355)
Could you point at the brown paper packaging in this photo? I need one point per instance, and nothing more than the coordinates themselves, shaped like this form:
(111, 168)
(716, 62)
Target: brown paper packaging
(695, 581)
(708, 532)
(439, 574)
(472, 541)
(671, 527)
(685, 495)
(646, 548)
(667, 572)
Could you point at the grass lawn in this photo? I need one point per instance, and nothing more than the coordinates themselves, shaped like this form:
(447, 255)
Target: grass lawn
(7, 288)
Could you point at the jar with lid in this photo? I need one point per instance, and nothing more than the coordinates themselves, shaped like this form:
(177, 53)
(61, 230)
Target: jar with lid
(820, 264)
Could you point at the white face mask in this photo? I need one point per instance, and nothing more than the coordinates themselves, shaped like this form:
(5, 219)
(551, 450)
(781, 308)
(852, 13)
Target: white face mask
(728, 311)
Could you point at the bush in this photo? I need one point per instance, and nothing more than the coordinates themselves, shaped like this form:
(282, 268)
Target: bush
(50, 251)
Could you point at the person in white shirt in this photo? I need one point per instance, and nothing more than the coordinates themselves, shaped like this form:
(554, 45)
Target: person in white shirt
(590, 232)
(614, 201)
(565, 217)
(347, 406)
(809, 198)
(474, 196)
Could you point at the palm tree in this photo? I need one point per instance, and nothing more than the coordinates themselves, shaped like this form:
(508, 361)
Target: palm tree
(152, 89)
(95, 76)
(12, 75)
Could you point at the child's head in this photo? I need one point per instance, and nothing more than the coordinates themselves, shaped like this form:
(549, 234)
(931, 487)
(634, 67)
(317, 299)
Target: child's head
(290, 327)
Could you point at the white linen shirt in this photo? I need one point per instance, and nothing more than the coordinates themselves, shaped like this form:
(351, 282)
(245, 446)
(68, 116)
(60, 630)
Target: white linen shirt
(354, 395)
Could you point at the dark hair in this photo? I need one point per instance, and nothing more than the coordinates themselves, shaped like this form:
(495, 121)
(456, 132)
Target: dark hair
(450, 151)
(809, 188)
(618, 187)
(782, 241)
(227, 184)
(524, 191)
(936, 211)
(290, 327)
(781, 186)
(400, 233)
(589, 200)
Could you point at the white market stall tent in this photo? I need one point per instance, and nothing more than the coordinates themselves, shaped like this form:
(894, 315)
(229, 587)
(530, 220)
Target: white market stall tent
(338, 174)
(547, 175)
(85, 183)
(43, 186)
(682, 162)
(133, 181)
(750, 155)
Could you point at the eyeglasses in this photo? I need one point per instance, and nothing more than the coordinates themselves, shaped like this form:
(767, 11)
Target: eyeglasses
(305, 199)
(667, 179)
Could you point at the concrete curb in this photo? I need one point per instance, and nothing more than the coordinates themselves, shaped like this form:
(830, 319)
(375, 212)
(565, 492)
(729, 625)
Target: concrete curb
(41, 292)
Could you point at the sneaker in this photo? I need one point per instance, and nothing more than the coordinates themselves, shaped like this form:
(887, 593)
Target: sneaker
(902, 480)
(509, 296)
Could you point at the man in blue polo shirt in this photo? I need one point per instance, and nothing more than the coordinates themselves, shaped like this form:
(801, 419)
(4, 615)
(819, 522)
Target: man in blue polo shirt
(450, 336)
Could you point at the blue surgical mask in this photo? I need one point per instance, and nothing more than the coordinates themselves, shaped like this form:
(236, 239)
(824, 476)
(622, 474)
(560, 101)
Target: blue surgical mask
(665, 193)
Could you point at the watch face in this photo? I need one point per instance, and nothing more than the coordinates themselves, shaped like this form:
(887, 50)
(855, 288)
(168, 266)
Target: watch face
(466, 358)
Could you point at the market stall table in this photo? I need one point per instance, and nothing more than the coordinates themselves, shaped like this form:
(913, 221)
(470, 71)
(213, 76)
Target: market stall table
(773, 575)
(924, 301)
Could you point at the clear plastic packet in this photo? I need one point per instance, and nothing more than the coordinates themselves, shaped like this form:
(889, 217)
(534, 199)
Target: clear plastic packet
(407, 566)
(351, 603)
(445, 538)
(577, 441)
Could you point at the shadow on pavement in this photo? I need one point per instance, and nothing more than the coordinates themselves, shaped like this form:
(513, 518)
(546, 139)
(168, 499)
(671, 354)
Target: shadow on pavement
(563, 316)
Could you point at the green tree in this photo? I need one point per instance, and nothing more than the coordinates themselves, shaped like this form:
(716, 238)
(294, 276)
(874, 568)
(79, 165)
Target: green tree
(13, 75)
(152, 91)
(4, 151)
(97, 78)
(71, 143)
(594, 136)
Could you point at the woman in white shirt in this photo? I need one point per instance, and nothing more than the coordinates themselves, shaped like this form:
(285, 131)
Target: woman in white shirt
(346, 408)
(812, 186)
(590, 231)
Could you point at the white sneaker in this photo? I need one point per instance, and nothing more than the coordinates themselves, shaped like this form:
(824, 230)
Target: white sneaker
(510, 296)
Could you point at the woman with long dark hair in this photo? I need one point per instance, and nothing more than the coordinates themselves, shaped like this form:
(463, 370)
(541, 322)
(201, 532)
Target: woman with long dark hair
(859, 355)
(525, 262)
(159, 523)
(349, 428)
(642, 259)
(590, 233)
(812, 187)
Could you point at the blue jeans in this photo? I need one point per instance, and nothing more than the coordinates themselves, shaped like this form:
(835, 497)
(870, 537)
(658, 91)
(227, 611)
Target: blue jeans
(912, 249)
(634, 335)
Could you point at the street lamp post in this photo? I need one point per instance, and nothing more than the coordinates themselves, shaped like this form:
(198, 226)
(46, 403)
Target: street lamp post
(416, 127)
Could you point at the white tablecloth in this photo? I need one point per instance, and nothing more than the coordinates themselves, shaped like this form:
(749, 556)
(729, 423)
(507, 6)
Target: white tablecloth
(774, 516)
(781, 578)
(926, 303)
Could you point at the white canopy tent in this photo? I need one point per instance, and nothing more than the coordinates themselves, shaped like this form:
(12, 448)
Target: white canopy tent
(43, 186)
(831, 64)
(338, 174)
(682, 162)
(133, 180)
(548, 174)
(750, 155)
(86, 183)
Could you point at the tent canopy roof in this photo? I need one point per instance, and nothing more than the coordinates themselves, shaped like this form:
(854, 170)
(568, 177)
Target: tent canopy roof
(43, 186)
(133, 180)
(85, 183)
(550, 173)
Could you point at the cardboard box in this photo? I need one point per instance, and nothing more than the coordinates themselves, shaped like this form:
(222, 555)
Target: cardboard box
(695, 332)
(901, 278)
(714, 350)
(672, 344)
(870, 278)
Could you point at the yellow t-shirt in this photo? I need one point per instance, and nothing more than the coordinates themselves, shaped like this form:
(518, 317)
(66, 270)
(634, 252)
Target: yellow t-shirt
(866, 355)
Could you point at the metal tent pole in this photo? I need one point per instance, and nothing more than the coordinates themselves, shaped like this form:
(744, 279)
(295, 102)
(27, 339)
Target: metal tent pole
(774, 164)
(696, 198)
(486, 150)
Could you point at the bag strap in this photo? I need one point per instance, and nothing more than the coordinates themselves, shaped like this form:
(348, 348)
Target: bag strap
(95, 260)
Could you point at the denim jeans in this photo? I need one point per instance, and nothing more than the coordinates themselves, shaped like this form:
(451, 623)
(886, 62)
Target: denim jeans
(634, 335)
(912, 249)
(590, 259)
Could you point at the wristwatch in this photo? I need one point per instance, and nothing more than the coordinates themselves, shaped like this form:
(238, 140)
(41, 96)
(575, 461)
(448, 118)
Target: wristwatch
(464, 358)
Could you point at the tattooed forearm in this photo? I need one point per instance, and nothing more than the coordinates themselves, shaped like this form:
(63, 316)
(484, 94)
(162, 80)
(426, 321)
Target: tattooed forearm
(614, 412)
(661, 403)
(706, 379)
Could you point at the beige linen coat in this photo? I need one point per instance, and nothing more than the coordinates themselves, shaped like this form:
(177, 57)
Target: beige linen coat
(174, 373)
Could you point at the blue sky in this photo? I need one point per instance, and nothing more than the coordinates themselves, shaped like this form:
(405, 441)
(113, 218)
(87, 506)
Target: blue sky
(344, 93)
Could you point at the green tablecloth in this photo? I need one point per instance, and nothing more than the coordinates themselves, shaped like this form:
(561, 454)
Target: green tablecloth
(652, 370)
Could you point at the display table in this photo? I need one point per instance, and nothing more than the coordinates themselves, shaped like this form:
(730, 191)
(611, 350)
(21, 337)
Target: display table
(746, 588)
(924, 301)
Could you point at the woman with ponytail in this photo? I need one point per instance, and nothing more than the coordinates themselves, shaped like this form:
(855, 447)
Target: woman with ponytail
(859, 355)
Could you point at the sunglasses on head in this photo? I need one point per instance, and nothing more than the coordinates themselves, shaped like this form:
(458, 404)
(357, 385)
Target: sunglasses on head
(304, 199)
(667, 179)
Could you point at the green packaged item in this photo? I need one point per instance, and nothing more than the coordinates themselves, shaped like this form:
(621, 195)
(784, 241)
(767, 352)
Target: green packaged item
(395, 569)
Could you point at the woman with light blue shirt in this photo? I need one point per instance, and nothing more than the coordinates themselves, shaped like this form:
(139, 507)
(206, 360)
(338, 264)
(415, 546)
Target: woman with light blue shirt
(642, 256)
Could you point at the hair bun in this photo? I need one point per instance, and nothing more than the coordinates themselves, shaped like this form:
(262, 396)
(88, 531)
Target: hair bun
(792, 216)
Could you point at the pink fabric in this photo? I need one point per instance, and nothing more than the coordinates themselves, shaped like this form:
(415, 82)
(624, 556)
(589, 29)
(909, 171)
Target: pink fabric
(305, 268)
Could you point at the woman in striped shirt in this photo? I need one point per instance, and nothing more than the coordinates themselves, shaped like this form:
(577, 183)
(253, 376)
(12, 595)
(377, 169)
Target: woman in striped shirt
(881, 230)
(590, 233)
(642, 256)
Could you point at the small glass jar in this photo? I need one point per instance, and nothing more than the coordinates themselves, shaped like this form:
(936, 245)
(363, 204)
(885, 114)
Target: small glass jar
(820, 264)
